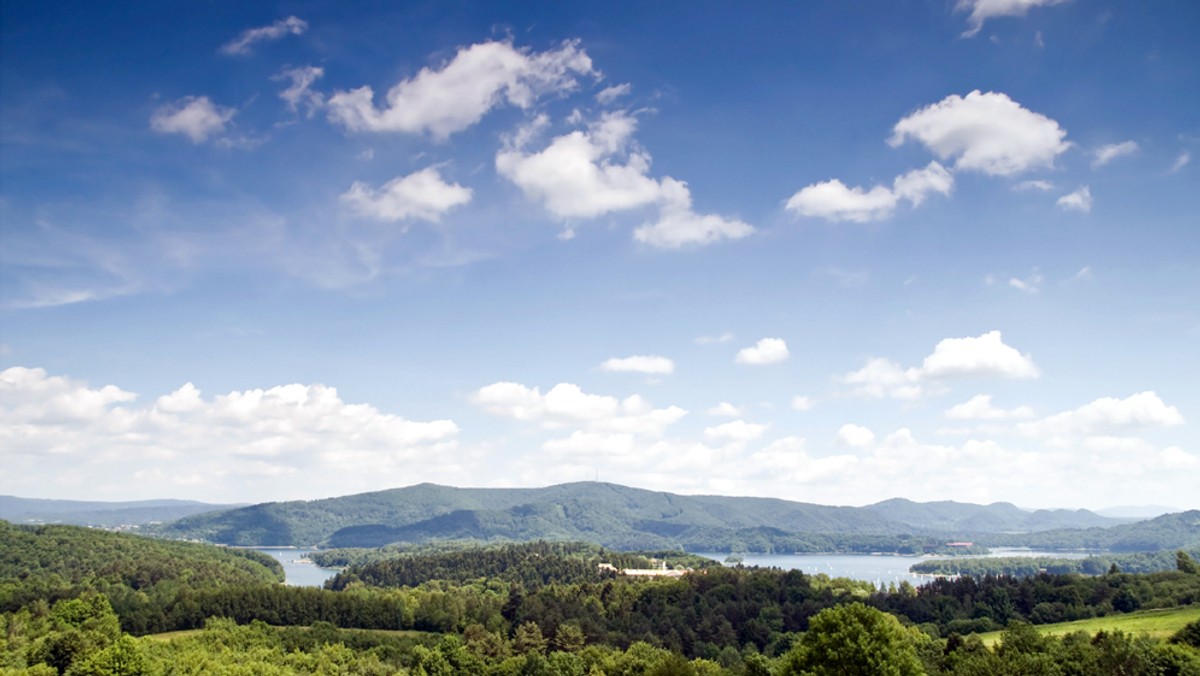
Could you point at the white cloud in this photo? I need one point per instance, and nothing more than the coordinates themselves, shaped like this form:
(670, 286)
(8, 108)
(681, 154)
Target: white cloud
(724, 409)
(986, 355)
(567, 405)
(834, 201)
(1041, 185)
(1180, 162)
(1108, 153)
(478, 79)
(1031, 284)
(649, 364)
(679, 226)
(52, 427)
(765, 351)
(880, 378)
(735, 432)
(980, 407)
(801, 403)
(241, 46)
(576, 175)
(196, 117)
(1106, 414)
(300, 92)
(915, 185)
(585, 174)
(983, 356)
(710, 340)
(985, 132)
(422, 194)
(610, 94)
(855, 436)
(1080, 200)
(982, 10)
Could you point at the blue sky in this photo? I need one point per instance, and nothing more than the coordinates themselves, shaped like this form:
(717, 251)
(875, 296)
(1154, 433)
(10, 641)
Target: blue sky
(833, 252)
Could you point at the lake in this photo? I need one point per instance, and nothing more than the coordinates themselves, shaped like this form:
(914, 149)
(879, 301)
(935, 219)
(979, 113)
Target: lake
(297, 569)
(878, 570)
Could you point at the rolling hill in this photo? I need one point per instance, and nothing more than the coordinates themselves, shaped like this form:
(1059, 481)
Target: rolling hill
(607, 514)
(100, 514)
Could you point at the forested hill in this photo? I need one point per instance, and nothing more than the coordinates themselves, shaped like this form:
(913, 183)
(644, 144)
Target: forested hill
(1169, 531)
(607, 514)
(53, 562)
(102, 514)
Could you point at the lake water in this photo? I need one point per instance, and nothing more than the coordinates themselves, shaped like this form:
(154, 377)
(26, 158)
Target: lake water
(878, 570)
(297, 569)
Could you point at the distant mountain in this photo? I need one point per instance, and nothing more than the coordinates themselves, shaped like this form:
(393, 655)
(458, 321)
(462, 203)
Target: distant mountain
(1169, 531)
(101, 514)
(998, 517)
(1137, 511)
(607, 514)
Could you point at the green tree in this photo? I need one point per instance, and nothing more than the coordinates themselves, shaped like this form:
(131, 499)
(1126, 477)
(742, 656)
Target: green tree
(854, 640)
(1185, 563)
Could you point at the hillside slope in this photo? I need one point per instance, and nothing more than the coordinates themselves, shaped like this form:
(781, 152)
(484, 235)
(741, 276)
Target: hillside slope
(608, 514)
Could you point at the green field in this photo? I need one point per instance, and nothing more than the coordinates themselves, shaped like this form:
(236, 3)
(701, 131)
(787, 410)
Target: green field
(1155, 623)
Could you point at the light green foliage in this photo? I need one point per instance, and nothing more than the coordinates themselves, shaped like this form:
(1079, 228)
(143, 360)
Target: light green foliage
(854, 640)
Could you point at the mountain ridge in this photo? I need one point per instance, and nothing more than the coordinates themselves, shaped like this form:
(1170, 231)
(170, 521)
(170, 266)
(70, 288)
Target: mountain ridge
(608, 514)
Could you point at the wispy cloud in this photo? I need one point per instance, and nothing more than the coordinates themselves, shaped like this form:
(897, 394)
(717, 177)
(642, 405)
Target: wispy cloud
(241, 45)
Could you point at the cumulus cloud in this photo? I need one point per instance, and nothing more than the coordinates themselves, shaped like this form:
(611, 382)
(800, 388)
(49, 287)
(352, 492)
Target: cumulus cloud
(1080, 200)
(1107, 153)
(241, 45)
(1107, 414)
(567, 405)
(983, 356)
(648, 364)
(801, 403)
(735, 432)
(599, 170)
(299, 93)
(422, 194)
(980, 407)
(765, 351)
(834, 201)
(55, 425)
(678, 226)
(724, 409)
(982, 10)
(196, 117)
(855, 436)
(581, 174)
(458, 95)
(984, 132)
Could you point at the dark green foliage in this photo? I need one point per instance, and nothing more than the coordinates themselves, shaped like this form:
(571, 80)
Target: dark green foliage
(1189, 635)
(531, 564)
(57, 562)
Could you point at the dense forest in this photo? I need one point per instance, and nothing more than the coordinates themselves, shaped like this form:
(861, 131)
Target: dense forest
(91, 594)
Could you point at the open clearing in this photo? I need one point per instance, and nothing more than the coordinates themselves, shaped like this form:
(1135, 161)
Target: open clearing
(1155, 623)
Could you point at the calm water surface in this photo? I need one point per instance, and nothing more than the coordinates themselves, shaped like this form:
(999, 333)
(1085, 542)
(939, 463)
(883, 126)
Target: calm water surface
(297, 569)
(878, 570)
